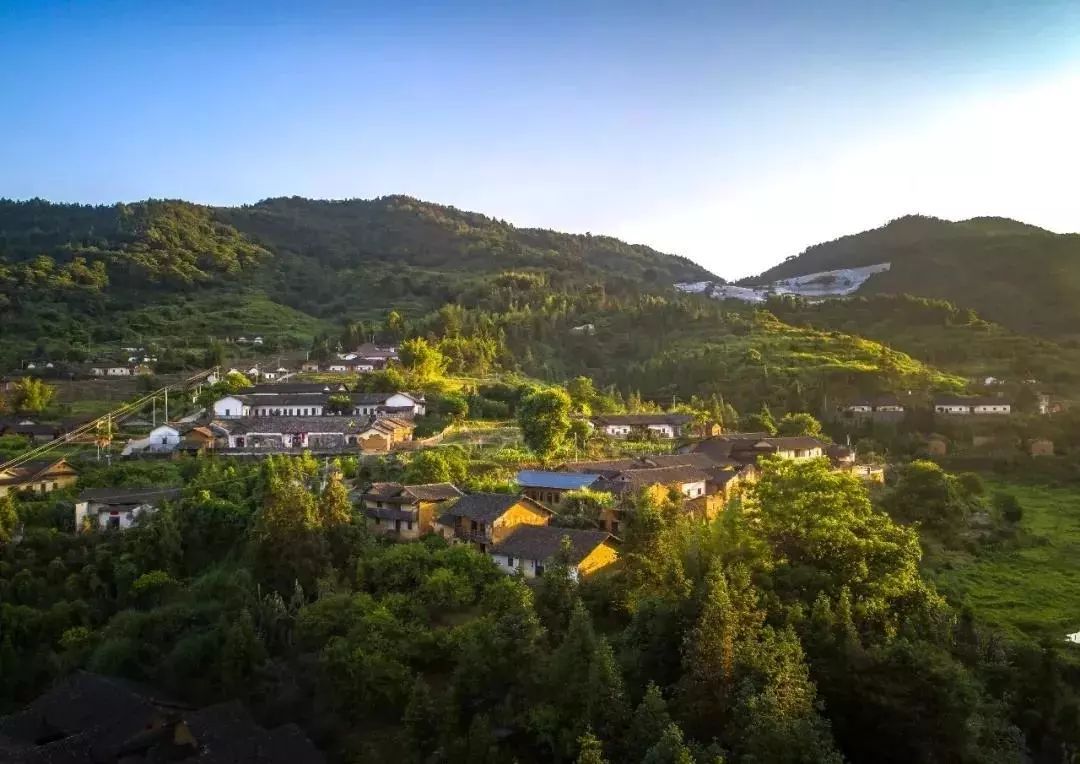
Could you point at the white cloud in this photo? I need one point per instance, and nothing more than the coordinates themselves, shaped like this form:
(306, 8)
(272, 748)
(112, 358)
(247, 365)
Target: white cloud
(1014, 153)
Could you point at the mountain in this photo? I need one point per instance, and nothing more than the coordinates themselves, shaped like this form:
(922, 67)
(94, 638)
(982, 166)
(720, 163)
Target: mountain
(1023, 277)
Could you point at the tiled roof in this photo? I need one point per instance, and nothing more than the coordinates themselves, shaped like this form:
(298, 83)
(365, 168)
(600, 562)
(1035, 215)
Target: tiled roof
(488, 507)
(662, 476)
(434, 491)
(128, 496)
(566, 481)
(291, 388)
(542, 542)
(289, 425)
(641, 420)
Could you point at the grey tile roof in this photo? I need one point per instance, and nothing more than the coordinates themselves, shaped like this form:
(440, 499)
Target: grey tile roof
(542, 542)
(641, 420)
(488, 507)
(290, 425)
(128, 496)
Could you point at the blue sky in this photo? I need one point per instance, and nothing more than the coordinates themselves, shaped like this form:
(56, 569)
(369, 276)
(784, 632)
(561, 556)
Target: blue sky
(734, 135)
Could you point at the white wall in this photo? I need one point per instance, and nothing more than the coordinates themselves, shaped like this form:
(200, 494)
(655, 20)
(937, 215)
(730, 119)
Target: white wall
(228, 407)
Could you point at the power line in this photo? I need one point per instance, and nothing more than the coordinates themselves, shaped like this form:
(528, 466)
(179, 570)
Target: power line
(117, 414)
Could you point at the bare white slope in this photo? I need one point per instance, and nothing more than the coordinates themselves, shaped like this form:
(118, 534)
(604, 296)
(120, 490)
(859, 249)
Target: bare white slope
(836, 283)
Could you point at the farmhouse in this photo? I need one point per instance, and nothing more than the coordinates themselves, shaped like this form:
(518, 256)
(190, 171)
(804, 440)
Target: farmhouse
(978, 406)
(118, 508)
(689, 481)
(550, 487)
(747, 448)
(886, 404)
(38, 476)
(406, 511)
(285, 405)
(163, 439)
(484, 519)
(383, 433)
(637, 425)
(529, 549)
(378, 404)
(285, 432)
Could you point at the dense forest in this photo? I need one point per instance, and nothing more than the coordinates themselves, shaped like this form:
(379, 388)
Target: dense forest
(764, 636)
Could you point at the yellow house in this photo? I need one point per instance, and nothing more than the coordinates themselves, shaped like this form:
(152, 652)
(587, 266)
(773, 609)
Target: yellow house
(529, 549)
(38, 476)
(405, 511)
(485, 519)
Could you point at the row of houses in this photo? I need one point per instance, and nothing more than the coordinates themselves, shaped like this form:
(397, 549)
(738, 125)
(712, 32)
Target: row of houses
(890, 406)
(306, 399)
(366, 358)
(518, 532)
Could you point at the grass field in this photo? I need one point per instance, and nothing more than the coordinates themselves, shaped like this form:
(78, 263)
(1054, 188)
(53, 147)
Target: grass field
(1033, 590)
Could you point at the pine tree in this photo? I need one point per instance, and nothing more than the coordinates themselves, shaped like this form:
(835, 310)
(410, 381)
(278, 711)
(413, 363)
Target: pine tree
(650, 720)
(669, 749)
(335, 509)
(420, 720)
(590, 750)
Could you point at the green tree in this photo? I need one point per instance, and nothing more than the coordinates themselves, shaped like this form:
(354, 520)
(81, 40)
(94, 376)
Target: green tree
(582, 394)
(423, 361)
(799, 424)
(760, 422)
(242, 652)
(544, 417)
(670, 748)
(590, 749)
(9, 518)
(335, 508)
(31, 395)
(651, 719)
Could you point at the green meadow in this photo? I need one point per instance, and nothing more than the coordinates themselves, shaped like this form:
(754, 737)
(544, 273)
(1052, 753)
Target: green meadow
(1033, 589)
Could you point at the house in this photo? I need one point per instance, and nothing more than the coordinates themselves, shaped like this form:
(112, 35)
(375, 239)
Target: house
(339, 367)
(485, 519)
(309, 366)
(163, 439)
(38, 476)
(35, 432)
(689, 481)
(378, 403)
(586, 329)
(295, 404)
(229, 407)
(972, 405)
(257, 341)
(372, 352)
(638, 425)
(883, 404)
(278, 433)
(1041, 447)
(118, 508)
(89, 717)
(295, 388)
(528, 549)
(550, 487)
(383, 433)
(406, 511)
(747, 448)
(203, 438)
(936, 445)
(839, 455)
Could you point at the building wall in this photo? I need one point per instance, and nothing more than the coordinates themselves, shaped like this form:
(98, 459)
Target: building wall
(375, 443)
(1004, 408)
(45, 485)
(519, 514)
(229, 408)
(597, 559)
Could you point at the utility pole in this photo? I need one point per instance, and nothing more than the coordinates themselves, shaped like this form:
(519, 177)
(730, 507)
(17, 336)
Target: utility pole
(166, 419)
(153, 401)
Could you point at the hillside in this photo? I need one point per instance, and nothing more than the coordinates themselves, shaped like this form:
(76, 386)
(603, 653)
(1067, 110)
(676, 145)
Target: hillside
(77, 282)
(1023, 277)
(77, 277)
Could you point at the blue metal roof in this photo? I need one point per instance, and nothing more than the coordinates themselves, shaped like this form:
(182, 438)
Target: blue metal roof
(567, 481)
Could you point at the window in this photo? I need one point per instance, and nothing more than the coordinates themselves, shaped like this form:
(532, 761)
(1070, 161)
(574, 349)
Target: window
(509, 561)
(408, 525)
(539, 569)
(114, 522)
(614, 526)
(376, 521)
(397, 525)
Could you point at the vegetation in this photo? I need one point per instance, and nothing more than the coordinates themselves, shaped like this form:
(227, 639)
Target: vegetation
(794, 628)
(1017, 275)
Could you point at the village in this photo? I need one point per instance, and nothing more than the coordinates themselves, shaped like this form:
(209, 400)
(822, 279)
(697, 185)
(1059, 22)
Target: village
(544, 508)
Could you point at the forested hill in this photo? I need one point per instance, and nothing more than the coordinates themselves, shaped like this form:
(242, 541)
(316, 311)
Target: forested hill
(1021, 276)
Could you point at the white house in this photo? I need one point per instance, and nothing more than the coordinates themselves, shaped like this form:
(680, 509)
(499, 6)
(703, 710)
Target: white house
(691, 481)
(118, 371)
(229, 407)
(163, 439)
(529, 549)
(118, 508)
(952, 406)
(337, 367)
(378, 403)
(291, 405)
(665, 426)
(257, 341)
(992, 407)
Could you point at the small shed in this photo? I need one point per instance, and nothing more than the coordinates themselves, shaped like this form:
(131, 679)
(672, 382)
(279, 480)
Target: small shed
(1041, 447)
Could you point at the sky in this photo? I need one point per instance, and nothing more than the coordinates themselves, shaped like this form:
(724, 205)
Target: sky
(733, 134)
